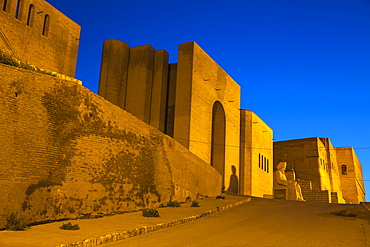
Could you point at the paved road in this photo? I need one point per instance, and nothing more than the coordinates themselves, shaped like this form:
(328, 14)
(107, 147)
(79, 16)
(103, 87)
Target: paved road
(265, 222)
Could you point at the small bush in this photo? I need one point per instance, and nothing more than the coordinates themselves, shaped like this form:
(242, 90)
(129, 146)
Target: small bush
(150, 212)
(220, 197)
(195, 204)
(15, 223)
(69, 226)
(174, 204)
(343, 213)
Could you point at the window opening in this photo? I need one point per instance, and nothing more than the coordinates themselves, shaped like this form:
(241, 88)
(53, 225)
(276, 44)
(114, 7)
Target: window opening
(17, 9)
(259, 160)
(344, 169)
(45, 29)
(31, 12)
(5, 5)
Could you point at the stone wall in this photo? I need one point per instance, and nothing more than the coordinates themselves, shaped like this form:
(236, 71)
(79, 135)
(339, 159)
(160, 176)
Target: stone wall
(306, 158)
(352, 179)
(201, 85)
(179, 99)
(54, 48)
(67, 152)
(256, 155)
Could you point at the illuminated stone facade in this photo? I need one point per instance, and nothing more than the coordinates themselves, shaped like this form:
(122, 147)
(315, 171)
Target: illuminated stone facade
(256, 156)
(159, 132)
(319, 167)
(351, 179)
(36, 32)
(194, 100)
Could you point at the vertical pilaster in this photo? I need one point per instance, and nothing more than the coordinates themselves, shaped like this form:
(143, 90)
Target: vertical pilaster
(139, 82)
(159, 90)
(113, 72)
(171, 100)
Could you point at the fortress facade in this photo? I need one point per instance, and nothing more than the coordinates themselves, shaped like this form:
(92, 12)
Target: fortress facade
(157, 132)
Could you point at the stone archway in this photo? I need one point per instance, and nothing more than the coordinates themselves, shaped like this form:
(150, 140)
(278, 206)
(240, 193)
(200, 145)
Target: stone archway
(218, 139)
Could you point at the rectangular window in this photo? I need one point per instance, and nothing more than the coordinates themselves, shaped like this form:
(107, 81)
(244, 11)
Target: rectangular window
(17, 10)
(5, 5)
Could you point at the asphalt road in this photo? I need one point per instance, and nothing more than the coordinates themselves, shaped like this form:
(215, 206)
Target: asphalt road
(264, 222)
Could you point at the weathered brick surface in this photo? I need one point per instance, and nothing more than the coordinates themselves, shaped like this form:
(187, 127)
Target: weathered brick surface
(66, 152)
(56, 51)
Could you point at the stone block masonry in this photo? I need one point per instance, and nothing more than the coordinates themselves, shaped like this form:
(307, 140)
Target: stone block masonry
(36, 32)
(113, 76)
(178, 99)
(68, 153)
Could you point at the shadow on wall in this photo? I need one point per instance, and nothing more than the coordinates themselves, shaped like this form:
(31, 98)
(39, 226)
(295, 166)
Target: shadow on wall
(234, 182)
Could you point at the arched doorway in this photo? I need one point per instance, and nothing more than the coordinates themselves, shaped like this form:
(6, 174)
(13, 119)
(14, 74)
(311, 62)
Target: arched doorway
(218, 139)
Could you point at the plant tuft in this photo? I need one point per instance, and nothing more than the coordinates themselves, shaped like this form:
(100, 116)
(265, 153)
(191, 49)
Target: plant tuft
(69, 226)
(174, 204)
(194, 204)
(9, 60)
(15, 223)
(220, 197)
(150, 212)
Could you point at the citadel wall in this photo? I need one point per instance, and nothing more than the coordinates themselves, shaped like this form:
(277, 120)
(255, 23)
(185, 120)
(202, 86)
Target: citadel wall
(207, 117)
(67, 152)
(301, 155)
(351, 178)
(194, 100)
(316, 160)
(256, 155)
(36, 32)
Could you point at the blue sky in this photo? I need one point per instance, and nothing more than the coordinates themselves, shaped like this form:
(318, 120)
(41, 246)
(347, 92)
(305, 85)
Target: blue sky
(303, 65)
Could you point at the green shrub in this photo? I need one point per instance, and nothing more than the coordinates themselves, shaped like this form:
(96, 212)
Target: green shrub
(150, 212)
(15, 223)
(174, 204)
(194, 204)
(69, 226)
(220, 197)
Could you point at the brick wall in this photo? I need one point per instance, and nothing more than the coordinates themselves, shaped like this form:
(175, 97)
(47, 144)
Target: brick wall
(56, 50)
(67, 152)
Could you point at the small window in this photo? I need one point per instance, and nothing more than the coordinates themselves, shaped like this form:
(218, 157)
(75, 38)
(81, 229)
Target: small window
(31, 13)
(259, 160)
(6, 4)
(344, 169)
(45, 29)
(267, 167)
(18, 9)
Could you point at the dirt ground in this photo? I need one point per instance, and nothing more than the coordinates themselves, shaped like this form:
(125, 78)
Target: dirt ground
(259, 222)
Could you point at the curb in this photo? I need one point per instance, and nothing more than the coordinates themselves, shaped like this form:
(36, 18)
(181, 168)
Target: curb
(109, 238)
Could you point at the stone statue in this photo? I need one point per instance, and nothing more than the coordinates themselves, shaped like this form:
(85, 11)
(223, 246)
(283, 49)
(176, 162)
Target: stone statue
(294, 191)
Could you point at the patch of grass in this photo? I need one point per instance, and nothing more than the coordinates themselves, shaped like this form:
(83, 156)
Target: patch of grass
(174, 204)
(220, 197)
(9, 60)
(69, 226)
(15, 223)
(150, 212)
(194, 204)
(343, 213)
